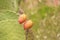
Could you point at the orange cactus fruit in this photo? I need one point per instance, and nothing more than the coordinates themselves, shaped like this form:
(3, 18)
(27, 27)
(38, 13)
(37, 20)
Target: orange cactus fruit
(22, 18)
(28, 24)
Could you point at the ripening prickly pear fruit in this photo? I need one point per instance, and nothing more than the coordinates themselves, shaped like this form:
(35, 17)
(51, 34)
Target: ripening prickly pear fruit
(22, 18)
(28, 24)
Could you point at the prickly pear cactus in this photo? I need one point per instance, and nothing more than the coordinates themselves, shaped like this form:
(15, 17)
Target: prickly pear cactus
(46, 20)
(9, 26)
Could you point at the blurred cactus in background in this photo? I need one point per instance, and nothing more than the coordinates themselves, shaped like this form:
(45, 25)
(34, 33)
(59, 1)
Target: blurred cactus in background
(44, 13)
(9, 26)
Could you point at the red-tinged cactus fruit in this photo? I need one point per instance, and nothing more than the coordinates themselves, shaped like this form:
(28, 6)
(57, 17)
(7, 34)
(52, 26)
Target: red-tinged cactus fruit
(55, 2)
(22, 18)
(28, 24)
